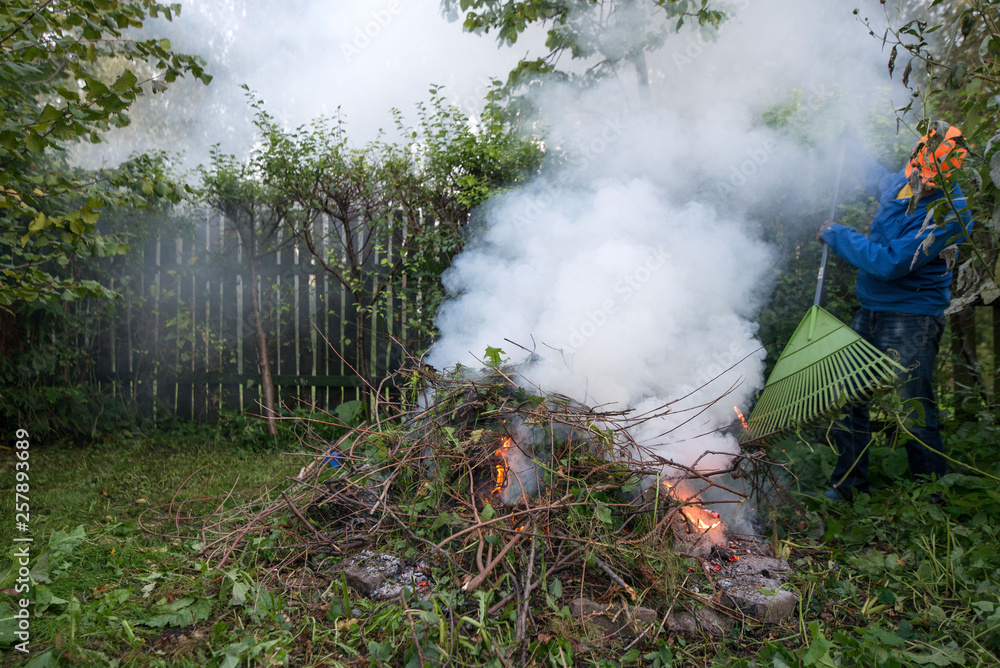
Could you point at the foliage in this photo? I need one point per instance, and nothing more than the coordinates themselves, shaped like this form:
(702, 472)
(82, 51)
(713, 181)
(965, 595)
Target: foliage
(384, 220)
(257, 216)
(54, 91)
(604, 35)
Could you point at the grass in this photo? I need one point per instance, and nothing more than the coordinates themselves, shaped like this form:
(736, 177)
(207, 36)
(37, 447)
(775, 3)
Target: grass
(105, 584)
(894, 580)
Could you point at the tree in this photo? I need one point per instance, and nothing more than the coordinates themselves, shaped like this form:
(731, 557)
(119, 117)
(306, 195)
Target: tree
(235, 190)
(604, 34)
(384, 220)
(54, 91)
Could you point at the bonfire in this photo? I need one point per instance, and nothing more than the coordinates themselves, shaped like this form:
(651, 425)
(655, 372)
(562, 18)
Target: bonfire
(490, 485)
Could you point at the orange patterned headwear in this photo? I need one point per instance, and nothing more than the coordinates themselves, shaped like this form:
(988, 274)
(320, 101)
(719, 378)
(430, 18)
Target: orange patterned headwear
(938, 152)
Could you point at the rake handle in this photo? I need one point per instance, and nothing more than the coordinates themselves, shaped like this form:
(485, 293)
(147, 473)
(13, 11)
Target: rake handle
(826, 248)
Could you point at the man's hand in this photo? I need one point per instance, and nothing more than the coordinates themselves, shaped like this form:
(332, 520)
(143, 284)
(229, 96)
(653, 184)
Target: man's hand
(823, 228)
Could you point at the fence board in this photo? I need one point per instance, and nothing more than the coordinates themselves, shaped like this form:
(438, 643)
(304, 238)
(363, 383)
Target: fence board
(144, 334)
(322, 319)
(205, 330)
(166, 390)
(185, 329)
(123, 345)
(286, 323)
(303, 324)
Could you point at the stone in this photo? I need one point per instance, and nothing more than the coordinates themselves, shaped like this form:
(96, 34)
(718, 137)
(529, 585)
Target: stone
(365, 581)
(383, 576)
(612, 619)
(762, 599)
(755, 585)
(704, 620)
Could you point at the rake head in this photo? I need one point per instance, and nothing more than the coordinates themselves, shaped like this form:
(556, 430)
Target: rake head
(825, 365)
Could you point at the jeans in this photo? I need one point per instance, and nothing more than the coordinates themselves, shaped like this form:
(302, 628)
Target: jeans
(912, 340)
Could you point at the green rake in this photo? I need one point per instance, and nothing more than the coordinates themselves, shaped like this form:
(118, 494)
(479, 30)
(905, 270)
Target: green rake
(824, 366)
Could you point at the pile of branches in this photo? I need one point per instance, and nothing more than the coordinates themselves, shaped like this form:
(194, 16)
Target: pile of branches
(438, 475)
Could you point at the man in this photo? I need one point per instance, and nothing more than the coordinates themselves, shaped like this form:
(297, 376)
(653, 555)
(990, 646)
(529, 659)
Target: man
(903, 286)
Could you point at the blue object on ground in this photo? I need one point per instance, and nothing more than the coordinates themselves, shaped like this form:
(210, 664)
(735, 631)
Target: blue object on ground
(834, 495)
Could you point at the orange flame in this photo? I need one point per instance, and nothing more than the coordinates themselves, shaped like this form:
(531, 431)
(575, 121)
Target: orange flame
(742, 419)
(705, 526)
(502, 466)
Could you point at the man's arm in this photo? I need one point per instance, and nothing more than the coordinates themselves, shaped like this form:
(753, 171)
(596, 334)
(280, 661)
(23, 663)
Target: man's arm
(899, 256)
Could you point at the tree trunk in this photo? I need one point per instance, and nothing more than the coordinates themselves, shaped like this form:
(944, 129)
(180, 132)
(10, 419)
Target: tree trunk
(363, 365)
(263, 359)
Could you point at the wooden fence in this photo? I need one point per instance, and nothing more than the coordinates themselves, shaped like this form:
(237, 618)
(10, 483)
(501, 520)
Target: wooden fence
(182, 339)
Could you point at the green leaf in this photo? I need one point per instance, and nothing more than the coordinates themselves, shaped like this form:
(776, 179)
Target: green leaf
(44, 660)
(124, 82)
(630, 656)
(49, 114)
(35, 142)
(995, 168)
(819, 650)
(603, 513)
(77, 227)
(493, 356)
(62, 544)
(937, 656)
(89, 216)
(39, 223)
(187, 615)
(8, 140)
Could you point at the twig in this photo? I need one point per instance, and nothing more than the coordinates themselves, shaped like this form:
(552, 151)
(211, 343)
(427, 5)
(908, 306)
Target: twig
(302, 519)
(522, 618)
(561, 503)
(472, 584)
(614, 576)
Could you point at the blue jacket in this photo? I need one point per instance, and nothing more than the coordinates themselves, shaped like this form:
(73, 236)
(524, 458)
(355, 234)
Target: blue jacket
(894, 273)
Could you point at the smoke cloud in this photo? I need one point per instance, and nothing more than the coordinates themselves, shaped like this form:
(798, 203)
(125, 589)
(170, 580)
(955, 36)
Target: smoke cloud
(632, 269)
(304, 59)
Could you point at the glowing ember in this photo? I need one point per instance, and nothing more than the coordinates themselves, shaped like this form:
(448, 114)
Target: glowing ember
(742, 419)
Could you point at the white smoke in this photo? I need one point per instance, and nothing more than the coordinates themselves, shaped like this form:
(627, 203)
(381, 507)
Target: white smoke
(631, 271)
